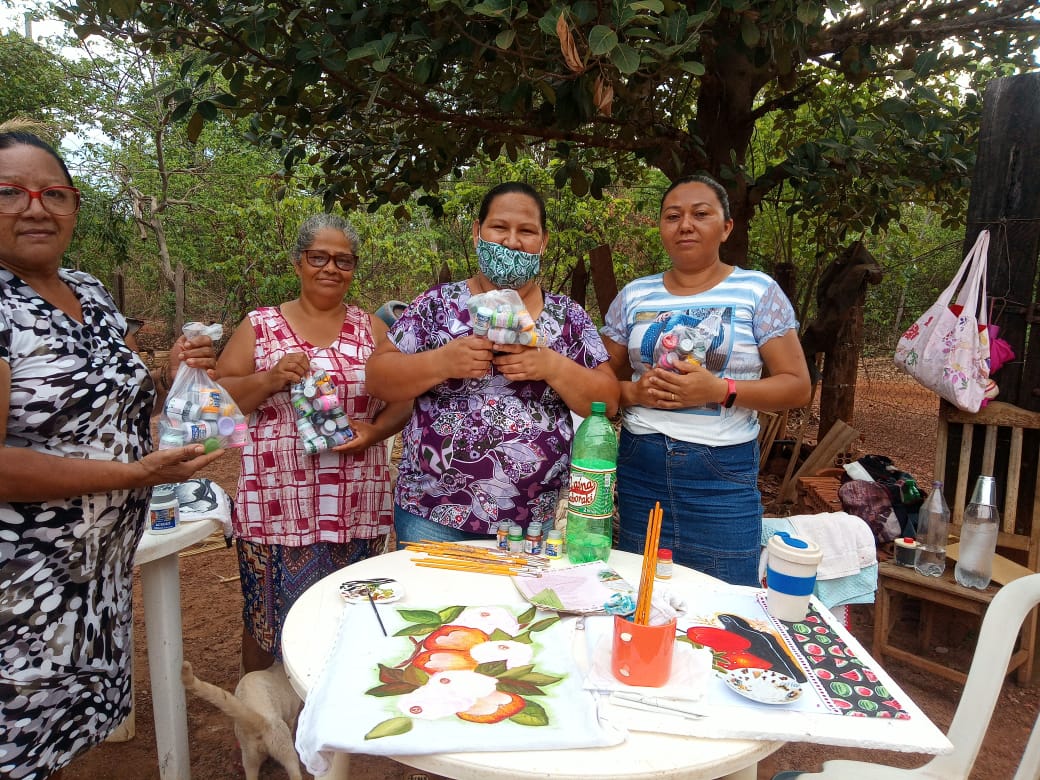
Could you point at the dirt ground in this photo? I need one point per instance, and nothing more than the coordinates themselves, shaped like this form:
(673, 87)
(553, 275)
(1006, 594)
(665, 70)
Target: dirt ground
(896, 418)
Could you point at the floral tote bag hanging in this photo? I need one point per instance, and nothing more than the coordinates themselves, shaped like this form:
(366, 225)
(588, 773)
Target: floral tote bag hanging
(947, 349)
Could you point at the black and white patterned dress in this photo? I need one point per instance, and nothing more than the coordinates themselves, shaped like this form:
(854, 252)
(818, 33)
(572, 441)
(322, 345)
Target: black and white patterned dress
(77, 391)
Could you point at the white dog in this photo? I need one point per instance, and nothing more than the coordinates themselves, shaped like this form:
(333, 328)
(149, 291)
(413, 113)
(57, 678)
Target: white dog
(264, 708)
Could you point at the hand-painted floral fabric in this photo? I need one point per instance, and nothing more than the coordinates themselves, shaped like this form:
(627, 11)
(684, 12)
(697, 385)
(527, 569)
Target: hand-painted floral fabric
(449, 679)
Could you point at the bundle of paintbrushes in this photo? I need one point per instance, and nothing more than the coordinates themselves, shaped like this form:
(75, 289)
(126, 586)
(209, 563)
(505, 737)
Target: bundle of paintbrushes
(483, 560)
(646, 579)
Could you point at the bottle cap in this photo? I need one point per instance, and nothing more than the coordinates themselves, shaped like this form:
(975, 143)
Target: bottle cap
(599, 406)
(555, 534)
(985, 491)
(664, 555)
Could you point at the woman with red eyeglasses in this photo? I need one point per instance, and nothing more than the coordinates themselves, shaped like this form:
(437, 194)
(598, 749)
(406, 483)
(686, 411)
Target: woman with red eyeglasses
(302, 516)
(76, 471)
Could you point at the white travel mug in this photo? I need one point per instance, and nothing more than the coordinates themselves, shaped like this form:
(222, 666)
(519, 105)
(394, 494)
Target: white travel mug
(790, 575)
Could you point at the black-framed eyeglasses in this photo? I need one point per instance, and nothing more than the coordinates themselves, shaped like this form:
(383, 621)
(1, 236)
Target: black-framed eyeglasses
(60, 201)
(318, 259)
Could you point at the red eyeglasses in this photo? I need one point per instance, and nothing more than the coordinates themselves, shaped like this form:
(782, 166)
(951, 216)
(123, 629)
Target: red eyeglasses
(59, 201)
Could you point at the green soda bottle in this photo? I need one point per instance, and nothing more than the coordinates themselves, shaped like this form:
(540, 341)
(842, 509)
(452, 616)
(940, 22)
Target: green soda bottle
(590, 500)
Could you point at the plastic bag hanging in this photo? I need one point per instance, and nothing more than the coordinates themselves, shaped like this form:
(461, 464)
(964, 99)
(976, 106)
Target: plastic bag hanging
(198, 410)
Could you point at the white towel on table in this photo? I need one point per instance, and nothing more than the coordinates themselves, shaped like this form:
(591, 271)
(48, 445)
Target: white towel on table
(846, 541)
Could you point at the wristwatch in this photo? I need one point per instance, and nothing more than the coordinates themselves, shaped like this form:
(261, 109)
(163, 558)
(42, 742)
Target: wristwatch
(731, 393)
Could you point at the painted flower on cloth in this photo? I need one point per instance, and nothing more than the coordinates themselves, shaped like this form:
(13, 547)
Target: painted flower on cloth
(470, 663)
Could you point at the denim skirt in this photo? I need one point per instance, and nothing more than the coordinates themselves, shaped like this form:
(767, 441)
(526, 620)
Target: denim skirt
(712, 510)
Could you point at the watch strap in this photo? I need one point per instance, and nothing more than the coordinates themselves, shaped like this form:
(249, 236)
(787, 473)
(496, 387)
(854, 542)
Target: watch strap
(731, 393)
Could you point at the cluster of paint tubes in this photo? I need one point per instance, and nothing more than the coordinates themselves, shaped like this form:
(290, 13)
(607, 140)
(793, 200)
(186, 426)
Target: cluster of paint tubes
(502, 317)
(203, 414)
(687, 343)
(320, 418)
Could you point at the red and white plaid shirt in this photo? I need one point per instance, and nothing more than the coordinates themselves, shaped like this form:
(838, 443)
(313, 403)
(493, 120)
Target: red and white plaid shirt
(288, 497)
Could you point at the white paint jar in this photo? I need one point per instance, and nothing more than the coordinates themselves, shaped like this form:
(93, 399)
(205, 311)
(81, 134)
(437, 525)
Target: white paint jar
(164, 514)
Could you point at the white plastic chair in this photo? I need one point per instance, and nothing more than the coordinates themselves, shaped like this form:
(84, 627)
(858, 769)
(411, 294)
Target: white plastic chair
(1005, 614)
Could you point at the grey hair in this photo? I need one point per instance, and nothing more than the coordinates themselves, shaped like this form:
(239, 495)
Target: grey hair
(310, 228)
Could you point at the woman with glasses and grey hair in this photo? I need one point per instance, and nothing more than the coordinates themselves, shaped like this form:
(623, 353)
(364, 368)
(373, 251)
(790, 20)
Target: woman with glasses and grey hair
(301, 516)
(76, 472)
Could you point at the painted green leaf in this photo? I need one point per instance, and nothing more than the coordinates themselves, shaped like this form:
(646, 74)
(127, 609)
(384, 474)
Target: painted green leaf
(533, 714)
(516, 672)
(491, 668)
(539, 678)
(391, 689)
(390, 728)
(601, 40)
(448, 614)
(420, 616)
(413, 675)
(541, 625)
(389, 674)
(527, 617)
(418, 629)
(519, 687)
(499, 635)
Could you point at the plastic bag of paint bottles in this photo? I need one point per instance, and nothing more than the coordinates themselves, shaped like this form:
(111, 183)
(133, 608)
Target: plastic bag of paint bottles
(502, 317)
(198, 409)
(685, 342)
(320, 419)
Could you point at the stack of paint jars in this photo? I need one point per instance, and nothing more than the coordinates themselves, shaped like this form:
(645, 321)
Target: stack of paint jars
(685, 342)
(502, 317)
(203, 414)
(320, 418)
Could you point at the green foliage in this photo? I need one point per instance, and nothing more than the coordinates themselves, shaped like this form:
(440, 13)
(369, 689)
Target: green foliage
(389, 99)
(35, 84)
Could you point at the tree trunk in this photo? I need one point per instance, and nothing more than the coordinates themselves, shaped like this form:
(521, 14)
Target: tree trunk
(838, 392)
(1005, 197)
(604, 283)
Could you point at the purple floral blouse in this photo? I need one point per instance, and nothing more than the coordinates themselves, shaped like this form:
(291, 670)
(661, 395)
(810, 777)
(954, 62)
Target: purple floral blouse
(478, 451)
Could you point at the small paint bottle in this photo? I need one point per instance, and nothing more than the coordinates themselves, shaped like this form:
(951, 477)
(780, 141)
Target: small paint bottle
(554, 544)
(533, 538)
(482, 321)
(516, 539)
(664, 565)
(163, 510)
(906, 551)
(503, 535)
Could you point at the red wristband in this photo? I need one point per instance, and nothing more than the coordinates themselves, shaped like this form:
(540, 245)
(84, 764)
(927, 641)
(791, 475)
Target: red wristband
(731, 393)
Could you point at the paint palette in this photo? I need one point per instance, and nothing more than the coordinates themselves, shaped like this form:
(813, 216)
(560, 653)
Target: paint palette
(763, 685)
(383, 590)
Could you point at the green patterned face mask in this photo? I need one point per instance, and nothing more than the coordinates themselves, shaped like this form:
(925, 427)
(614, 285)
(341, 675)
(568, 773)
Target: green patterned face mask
(505, 267)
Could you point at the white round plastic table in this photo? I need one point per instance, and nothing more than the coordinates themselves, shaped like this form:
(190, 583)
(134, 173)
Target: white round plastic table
(312, 624)
(160, 584)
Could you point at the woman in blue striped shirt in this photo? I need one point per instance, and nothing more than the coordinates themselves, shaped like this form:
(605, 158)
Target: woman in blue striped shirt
(689, 346)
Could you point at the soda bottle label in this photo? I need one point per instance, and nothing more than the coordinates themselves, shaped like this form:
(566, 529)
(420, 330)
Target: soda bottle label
(591, 491)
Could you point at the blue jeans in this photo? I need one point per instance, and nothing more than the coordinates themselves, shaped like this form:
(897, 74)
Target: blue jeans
(412, 528)
(709, 496)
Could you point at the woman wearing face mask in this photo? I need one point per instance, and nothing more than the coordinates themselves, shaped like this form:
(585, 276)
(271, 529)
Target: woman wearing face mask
(490, 435)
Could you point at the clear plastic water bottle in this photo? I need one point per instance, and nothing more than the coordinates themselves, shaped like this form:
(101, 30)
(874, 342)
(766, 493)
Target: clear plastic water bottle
(933, 529)
(974, 567)
(590, 500)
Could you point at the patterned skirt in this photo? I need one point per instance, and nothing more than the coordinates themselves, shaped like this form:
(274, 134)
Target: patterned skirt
(273, 576)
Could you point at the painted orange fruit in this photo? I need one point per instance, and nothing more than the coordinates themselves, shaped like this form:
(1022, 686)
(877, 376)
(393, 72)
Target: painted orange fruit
(451, 637)
(493, 708)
